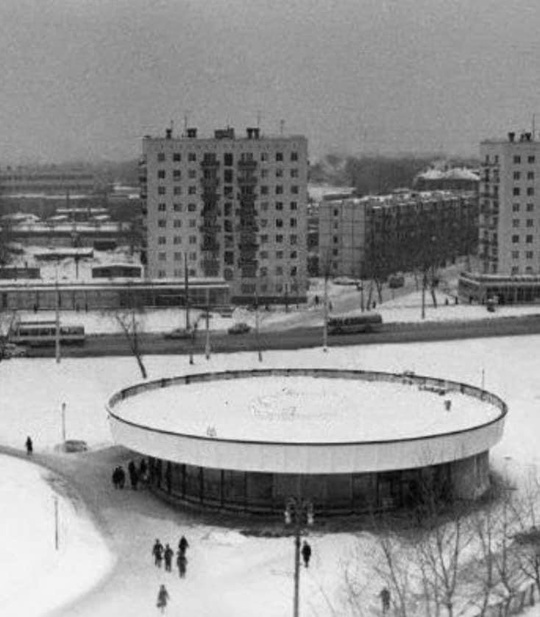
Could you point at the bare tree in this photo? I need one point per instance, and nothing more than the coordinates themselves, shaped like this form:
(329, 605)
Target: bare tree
(128, 318)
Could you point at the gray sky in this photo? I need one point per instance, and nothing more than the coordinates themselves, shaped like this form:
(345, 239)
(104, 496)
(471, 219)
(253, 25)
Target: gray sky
(87, 78)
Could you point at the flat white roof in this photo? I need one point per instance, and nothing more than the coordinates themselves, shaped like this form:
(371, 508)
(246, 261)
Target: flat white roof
(304, 409)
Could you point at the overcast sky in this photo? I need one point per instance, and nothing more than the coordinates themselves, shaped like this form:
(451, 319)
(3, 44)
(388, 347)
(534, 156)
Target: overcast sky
(87, 79)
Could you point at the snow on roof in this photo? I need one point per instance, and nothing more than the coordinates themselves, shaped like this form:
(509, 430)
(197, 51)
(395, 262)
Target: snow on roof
(296, 409)
(455, 173)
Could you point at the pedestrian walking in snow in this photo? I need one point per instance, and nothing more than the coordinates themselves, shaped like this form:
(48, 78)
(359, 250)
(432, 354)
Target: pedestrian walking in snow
(143, 468)
(121, 477)
(306, 553)
(157, 552)
(181, 562)
(168, 555)
(183, 545)
(133, 475)
(385, 599)
(29, 446)
(162, 598)
(116, 477)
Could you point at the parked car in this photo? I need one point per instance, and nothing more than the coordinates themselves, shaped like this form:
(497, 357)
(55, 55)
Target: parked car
(239, 328)
(179, 333)
(396, 280)
(11, 350)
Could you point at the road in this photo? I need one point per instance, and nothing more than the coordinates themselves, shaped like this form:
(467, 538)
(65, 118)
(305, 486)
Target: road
(296, 338)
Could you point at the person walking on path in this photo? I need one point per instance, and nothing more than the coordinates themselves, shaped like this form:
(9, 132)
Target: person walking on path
(385, 600)
(183, 545)
(121, 477)
(162, 598)
(306, 553)
(29, 446)
(181, 562)
(133, 475)
(168, 554)
(157, 552)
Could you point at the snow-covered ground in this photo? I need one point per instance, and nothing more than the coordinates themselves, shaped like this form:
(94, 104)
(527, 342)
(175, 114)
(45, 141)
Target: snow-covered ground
(229, 574)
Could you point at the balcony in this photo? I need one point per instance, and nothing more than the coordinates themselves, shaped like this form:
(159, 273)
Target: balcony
(209, 163)
(210, 184)
(247, 164)
(247, 227)
(210, 245)
(247, 180)
(209, 228)
(247, 261)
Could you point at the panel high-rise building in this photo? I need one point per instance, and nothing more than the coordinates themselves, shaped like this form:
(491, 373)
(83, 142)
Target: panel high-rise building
(509, 236)
(228, 207)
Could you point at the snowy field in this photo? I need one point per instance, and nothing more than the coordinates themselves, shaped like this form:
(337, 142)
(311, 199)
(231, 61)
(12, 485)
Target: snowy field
(295, 409)
(229, 574)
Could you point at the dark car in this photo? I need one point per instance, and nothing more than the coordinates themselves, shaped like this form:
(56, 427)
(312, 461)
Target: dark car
(11, 350)
(239, 328)
(179, 333)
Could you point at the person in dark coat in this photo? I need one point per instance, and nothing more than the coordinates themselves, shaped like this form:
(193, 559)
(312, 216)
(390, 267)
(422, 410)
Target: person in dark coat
(133, 475)
(143, 467)
(385, 599)
(168, 555)
(121, 477)
(157, 552)
(162, 598)
(181, 562)
(183, 545)
(29, 446)
(306, 553)
(116, 477)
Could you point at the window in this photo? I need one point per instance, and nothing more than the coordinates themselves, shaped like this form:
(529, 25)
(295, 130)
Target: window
(161, 190)
(335, 252)
(264, 190)
(530, 223)
(161, 274)
(293, 222)
(530, 207)
(515, 239)
(192, 173)
(264, 206)
(177, 223)
(294, 189)
(177, 157)
(177, 240)
(279, 222)
(530, 190)
(192, 272)
(517, 160)
(529, 254)
(161, 173)
(264, 173)
(279, 238)
(279, 157)
(294, 205)
(279, 270)
(177, 207)
(264, 156)
(192, 190)
(516, 190)
(530, 159)
(228, 176)
(228, 226)
(177, 174)
(162, 240)
(279, 205)
(279, 172)
(162, 223)
(515, 207)
(293, 270)
(264, 222)
(228, 159)
(528, 239)
(229, 258)
(263, 271)
(515, 254)
(279, 189)
(515, 222)
(193, 257)
(294, 156)
(264, 239)
(162, 207)
(192, 157)
(293, 254)
(294, 173)
(192, 223)
(336, 240)
(530, 175)
(336, 212)
(228, 191)
(192, 207)
(177, 190)
(161, 157)
(178, 256)
(162, 256)
(517, 175)
(279, 254)
(293, 239)
(193, 239)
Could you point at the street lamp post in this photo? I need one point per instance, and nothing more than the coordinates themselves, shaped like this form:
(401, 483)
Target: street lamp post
(297, 511)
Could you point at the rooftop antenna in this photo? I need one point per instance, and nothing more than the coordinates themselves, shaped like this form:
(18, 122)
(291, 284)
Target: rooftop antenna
(281, 126)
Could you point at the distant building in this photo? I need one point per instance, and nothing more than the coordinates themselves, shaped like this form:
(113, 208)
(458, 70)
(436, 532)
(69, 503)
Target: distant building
(232, 207)
(48, 180)
(452, 179)
(379, 235)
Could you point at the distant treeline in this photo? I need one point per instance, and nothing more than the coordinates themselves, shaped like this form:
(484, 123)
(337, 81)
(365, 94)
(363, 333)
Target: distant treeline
(377, 174)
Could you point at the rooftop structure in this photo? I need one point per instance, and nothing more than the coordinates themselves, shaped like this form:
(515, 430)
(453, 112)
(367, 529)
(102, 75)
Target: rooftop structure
(46, 180)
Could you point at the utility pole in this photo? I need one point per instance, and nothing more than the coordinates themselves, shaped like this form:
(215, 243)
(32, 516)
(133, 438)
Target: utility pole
(207, 341)
(57, 320)
(257, 338)
(188, 328)
(325, 326)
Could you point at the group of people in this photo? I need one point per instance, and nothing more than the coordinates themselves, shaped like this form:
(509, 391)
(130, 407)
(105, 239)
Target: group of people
(164, 554)
(136, 475)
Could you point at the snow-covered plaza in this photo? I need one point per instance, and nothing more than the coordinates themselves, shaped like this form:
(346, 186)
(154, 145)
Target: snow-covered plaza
(104, 567)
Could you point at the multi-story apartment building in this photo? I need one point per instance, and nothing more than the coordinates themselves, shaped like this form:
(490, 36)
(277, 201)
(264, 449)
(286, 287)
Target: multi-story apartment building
(48, 180)
(379, 235)
(510, 206)
(232, 207)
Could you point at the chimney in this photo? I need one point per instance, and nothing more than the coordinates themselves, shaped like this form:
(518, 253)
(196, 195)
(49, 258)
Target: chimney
(192, 133)
(511, 136)
(249, 133)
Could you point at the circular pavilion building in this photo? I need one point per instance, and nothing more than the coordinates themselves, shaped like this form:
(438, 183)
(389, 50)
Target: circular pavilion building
(346, 440)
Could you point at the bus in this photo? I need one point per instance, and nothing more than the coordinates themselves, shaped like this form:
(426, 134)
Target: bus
(43, 333)
(366, 322)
